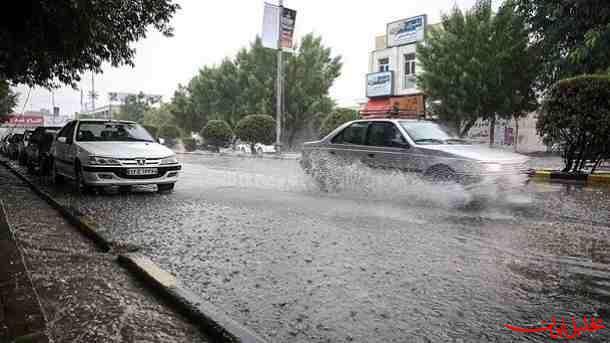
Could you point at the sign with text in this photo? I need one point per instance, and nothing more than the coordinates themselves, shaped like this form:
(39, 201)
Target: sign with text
(406, 31)
(379, 84)
(409, 104)
(26, 120)
(278, 27)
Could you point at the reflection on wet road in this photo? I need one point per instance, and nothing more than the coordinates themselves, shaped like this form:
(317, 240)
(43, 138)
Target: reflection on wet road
(388, 259)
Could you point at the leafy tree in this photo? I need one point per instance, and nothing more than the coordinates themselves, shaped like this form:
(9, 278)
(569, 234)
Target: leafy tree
(571, 37)
(134, 107)
(247, 84)
(8, 99)
(310, 73)
(182, 110)
(337, 118)
(477, 65)
(217, 133)
(576, 116)
(256, 128)
(42, 43)
(160, 116)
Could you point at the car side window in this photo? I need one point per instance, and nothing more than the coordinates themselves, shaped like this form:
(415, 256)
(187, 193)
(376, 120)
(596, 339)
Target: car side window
(67, 131)
(353, 134)
(384, 134)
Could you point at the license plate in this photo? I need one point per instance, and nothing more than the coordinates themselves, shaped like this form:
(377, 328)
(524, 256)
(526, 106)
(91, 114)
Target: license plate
(142, 171)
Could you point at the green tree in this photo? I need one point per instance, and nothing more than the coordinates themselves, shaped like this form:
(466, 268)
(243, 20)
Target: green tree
(43, 43)
(217, 133)
(134, 107)
(256, 128)
(247, 84)
(337, 118)
(477, 65)
(8, 99)
(576, 116)
(571, 37)
(160, 116)
(182, 110)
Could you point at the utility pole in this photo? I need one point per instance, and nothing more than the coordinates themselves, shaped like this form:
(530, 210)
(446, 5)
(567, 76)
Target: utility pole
(279, 86)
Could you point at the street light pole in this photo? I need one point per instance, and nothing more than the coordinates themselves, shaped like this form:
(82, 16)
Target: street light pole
(279, 84)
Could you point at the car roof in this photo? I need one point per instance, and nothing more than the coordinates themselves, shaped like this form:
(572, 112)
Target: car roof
(106, 121)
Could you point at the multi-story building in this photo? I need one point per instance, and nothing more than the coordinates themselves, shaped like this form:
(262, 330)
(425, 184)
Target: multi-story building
(391, 82)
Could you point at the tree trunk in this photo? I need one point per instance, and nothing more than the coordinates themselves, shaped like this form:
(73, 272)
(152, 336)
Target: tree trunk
(492, 130)
(252, 149)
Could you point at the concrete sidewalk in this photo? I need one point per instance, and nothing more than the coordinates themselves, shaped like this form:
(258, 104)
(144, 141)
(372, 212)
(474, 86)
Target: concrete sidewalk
(85, 294)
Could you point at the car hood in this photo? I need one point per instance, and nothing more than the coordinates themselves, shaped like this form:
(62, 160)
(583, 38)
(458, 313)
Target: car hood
(480, 153)
(126, 149)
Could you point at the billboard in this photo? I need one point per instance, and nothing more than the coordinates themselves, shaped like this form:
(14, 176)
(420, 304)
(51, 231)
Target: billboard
(379, 84)
(118, 97)
(278, 26)
(25, 120)
(406, 31)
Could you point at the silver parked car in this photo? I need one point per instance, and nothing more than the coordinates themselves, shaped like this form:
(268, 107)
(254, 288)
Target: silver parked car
(411, 145)
(98, 153)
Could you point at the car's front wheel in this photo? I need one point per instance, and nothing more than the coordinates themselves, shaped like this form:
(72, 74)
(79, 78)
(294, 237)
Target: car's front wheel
(81, 183)
(165, 188)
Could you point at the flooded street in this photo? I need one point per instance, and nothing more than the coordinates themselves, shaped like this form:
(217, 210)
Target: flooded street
(386, 259)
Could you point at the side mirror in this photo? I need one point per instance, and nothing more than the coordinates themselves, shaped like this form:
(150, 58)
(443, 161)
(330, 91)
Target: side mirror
(397, 143)
(62, 140)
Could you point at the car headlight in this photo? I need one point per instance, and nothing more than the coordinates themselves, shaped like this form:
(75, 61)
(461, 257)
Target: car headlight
(492, 167)
(169, 160)
(103, 161)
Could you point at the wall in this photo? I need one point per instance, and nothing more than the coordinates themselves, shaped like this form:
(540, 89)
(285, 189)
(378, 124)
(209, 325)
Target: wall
(397, 64)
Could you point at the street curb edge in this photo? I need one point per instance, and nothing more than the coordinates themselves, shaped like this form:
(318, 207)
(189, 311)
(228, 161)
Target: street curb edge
(222, 154)
(556, 176)
(198, 310)
(84, 225)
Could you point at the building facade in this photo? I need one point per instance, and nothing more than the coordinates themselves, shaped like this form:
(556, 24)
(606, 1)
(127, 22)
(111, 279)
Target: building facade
(391, 85)
(105, 112)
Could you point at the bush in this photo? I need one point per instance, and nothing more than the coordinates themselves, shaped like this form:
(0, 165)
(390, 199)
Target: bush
(256, 128)
(190, 144)
(335, 119)
(575, 116)
(217, 133)
(152, 130)
(170, 134)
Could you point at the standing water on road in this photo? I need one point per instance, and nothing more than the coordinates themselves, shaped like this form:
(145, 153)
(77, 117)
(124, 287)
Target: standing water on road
(386, 258)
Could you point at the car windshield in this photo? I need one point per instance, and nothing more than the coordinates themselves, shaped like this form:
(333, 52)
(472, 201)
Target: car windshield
(112, 132)
(425, 132)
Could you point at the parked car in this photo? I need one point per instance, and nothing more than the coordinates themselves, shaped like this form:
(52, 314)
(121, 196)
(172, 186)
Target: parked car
(22, 145)
(97, 153)
(258, 147)
(13, 145)
(418, 146)
(37, 153)
(4, 142)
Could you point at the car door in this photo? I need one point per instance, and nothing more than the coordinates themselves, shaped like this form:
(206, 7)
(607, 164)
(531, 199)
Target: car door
(388, 148)
(61, 154)
(349, 145)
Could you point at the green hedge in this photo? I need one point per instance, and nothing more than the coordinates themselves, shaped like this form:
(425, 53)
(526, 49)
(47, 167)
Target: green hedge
(169, 132)
(256, 128)
(217, 133)
(576, 117)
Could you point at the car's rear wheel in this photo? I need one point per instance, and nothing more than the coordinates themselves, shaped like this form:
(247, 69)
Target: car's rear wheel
(165, 188)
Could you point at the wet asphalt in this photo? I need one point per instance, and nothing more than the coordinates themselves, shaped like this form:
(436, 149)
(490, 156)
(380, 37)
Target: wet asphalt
(386, 259)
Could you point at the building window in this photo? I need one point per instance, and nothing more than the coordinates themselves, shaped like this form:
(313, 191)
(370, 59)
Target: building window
(384, 64)
(409, 78)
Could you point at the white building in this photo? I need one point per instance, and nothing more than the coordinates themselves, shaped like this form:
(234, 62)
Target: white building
(391, 81)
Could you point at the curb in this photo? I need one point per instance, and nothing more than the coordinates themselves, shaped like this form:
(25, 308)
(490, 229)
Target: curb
(224, 154)
(207, 315)
(22, 317)
(212, 321)
(589, 179)
(86, 226)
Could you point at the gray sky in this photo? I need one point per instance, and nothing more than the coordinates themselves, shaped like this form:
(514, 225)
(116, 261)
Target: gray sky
(207, 31)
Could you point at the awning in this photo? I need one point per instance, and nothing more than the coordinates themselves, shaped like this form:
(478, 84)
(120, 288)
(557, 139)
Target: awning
(394, 107)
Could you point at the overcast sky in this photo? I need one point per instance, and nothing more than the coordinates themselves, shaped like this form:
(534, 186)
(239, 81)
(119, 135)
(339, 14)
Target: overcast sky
(208, 31)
